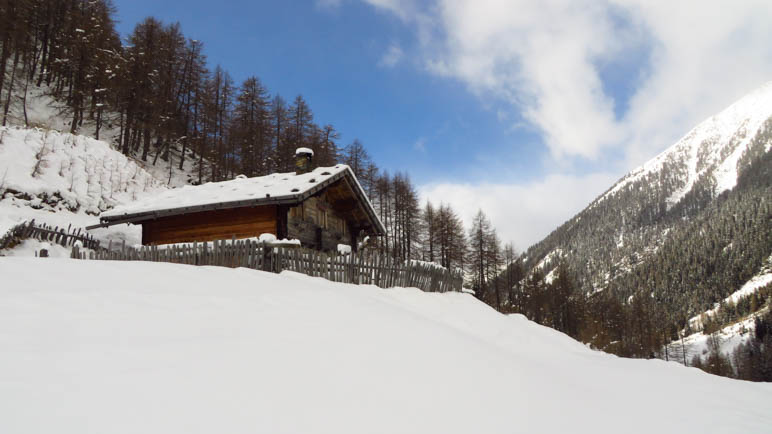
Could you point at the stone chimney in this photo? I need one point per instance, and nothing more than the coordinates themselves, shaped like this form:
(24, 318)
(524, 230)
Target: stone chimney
(303, 158)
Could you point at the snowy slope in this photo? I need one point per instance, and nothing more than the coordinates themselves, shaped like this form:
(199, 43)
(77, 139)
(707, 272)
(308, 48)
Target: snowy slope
(728, 338)
(87, 174)
(713, 148)
(763, 278)
(45, 112)
(164, 348)
(62, 179)
(731, 335)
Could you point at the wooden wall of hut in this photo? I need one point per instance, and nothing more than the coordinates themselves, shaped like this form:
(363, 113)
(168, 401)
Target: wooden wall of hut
(211, 225)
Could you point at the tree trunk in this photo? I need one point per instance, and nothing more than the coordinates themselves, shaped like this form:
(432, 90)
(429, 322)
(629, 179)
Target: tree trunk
(75, 114)
(24, 102)
(145, 144)
(159, 147)
(184, 149)
(10, 87)
(44, 54)
(98, 122)
(6, 54)
(120, 132)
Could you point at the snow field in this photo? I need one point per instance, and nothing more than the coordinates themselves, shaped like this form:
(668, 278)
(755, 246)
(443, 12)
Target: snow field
(94, 347)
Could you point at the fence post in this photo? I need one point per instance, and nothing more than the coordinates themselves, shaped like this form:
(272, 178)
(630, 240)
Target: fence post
(267, 256)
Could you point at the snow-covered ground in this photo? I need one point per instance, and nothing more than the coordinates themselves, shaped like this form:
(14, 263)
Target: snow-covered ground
(79, 172)
(62, 179)
(727, 338)
(731, 335)
(14, 211)
(759, 281)
(32, 247)
(95, 347)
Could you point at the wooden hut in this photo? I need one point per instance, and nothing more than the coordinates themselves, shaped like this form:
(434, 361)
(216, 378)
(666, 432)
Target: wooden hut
(322, 208)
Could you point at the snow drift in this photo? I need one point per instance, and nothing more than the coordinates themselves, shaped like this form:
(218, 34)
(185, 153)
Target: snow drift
(94, 347)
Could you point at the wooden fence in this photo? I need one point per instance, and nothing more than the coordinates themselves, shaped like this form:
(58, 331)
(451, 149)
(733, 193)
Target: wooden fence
(65, 237)
(357, 268)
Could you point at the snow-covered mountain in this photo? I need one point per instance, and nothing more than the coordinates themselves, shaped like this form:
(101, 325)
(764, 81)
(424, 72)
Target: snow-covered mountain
(710, 152)
(127, 347)
(689, 227)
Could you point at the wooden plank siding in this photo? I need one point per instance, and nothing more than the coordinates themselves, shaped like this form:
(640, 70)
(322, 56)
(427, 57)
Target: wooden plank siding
(211, 225)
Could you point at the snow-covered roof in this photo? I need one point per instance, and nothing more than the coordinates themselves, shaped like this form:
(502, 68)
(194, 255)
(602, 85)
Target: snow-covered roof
(304, 151)
(274, 189)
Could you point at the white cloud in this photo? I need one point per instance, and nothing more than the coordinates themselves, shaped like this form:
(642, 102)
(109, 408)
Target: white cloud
(522, 213)
(391, 57)
(544, 58)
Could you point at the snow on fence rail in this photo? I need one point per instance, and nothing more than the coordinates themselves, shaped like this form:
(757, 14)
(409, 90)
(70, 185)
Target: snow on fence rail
(65, 237)
(367, 268)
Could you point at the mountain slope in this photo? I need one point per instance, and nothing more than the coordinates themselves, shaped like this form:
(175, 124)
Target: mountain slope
(151, 347)
(709, 153)
(689, 227)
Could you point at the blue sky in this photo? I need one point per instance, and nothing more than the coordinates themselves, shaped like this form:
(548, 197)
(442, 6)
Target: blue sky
(524, 108)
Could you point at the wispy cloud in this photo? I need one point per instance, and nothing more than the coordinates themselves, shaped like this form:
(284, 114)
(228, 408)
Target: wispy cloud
(420, 145)
(391, 57)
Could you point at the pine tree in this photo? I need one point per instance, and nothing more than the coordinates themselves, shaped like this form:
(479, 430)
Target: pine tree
(479, 252)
